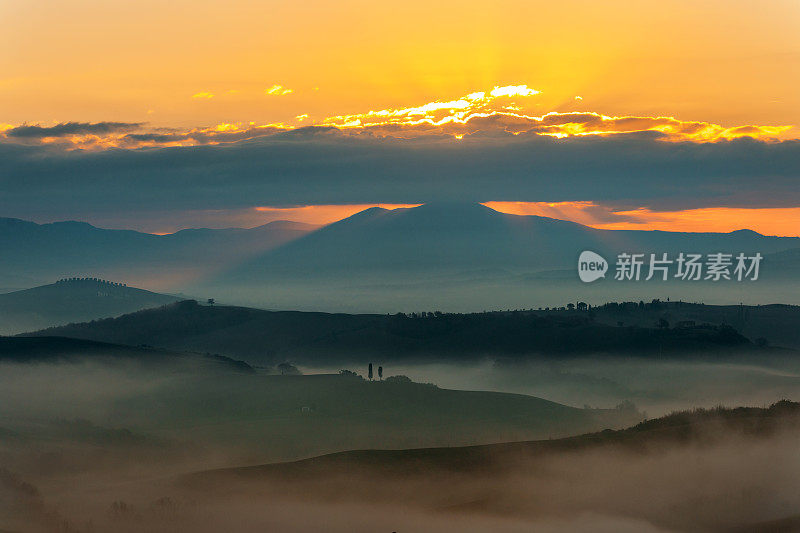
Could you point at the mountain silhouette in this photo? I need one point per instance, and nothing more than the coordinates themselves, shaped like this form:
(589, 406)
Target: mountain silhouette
(458, 236)
(448, 256)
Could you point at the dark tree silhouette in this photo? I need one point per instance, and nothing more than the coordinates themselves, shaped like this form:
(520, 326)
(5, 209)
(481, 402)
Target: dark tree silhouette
(288, 369)
(380, 372)
(369, 373)
(211, 301)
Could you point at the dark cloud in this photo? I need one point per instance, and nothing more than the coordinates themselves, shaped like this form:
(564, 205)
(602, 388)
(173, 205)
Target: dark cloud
(71, 128)
(323, 167)
(210, 136)
(309, 132)
(157, 137)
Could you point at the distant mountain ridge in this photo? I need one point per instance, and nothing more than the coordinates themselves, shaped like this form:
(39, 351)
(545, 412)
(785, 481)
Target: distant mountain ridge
(472, 236)
(451, 256)
(468, 257)
(37, 253)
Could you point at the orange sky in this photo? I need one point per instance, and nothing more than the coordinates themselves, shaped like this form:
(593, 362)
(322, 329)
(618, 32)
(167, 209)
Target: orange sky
(200, 63)
(783, 222)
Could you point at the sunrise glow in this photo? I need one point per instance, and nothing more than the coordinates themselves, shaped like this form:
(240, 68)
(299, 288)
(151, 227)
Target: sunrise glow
(783, 222)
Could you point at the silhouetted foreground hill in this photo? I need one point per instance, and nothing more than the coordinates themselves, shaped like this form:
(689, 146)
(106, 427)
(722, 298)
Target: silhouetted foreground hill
(72, 300)
(273, 336)
(62, 349)
(775, 324)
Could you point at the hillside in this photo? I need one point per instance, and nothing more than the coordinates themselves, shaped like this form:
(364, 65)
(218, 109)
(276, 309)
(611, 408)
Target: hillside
(55, 350)
(269, 337)
(217, 411)
(776, 324)
(297, 416)
(72, 300)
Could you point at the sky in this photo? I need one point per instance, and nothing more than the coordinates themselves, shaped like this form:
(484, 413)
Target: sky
(652, 115)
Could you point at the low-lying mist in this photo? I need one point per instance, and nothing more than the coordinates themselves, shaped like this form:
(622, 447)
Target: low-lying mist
(58, 419)
(721, 480)
(99, 446)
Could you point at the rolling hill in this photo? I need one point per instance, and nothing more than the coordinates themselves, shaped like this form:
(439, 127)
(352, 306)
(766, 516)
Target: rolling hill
(270, 337)
(299, 416)
(54, 350)
(72, 300)
(774, 324)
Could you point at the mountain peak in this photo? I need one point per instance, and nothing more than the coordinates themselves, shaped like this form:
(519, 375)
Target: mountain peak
(449, 212)
(746, 232)
(453, 207)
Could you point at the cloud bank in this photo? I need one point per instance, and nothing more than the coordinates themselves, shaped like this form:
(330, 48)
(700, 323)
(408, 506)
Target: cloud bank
(481, 147)
(326, 166)
(498, 112)
(66, 129)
